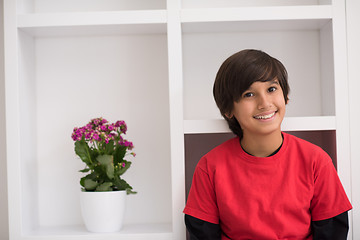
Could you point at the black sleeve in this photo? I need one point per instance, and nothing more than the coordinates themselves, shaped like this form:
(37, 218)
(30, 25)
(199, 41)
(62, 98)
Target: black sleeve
(202, 230)
(335, 228)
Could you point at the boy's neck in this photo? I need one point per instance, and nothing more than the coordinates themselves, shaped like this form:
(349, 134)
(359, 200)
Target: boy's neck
(262, 145)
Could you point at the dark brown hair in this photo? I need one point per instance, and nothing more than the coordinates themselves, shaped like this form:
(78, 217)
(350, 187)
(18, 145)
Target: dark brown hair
(236, 75)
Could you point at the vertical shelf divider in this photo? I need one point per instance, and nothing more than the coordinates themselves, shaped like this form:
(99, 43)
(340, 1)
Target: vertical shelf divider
(12, 119)
(341, 93)
(176, 117)
(342, 97)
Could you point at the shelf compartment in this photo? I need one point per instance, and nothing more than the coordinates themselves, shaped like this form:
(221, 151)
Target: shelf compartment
(95, 23)
(305, 47)
(63, 83)
(255, 14)
(289, 124)
(162, 231)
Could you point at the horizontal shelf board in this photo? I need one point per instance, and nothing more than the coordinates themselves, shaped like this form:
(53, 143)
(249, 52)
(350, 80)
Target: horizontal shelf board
(253, 26)
(46, 24)
(247, 3)
(206, 126)
(309, 123)
(289, 124)
(129, 231)
(98, 30)
(256, 13)
(91, 18)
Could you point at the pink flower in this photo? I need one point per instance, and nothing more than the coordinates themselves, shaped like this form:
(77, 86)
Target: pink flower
(88, 135)
(89, 125)
(99, 132)
(121, 140)
(73, 136)
(96, 121)
(118, 123)
(128, 144)
(123, 128)
(96, 137)
(123, 164)
(79, 134)
(112, 136)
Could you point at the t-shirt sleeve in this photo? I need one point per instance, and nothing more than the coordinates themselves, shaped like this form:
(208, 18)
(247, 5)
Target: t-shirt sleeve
(329, 199)
(201, 202)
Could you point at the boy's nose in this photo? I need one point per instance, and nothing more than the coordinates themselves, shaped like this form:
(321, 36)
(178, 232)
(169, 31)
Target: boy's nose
(263, 101)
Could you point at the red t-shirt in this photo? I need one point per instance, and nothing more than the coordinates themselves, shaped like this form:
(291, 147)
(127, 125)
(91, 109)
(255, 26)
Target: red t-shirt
(275, 197)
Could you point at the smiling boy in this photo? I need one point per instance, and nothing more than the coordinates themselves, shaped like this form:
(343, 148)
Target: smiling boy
(264, 183)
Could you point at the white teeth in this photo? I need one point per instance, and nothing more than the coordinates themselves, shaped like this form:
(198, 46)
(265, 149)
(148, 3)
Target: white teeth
(265, 116)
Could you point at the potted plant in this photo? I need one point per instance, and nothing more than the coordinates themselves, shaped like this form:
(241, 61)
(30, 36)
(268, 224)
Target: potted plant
(103, 149)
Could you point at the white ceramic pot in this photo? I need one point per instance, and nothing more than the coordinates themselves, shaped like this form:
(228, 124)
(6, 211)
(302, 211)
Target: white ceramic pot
(103, 211)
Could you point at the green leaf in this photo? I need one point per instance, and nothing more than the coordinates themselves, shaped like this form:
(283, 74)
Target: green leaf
(93, 154)
(82, 181)
(122, 170)
(106, 186)
(109, 148)
(83, 151)
(92, 176)
(85, 170)
(119, 154)
(129, 191)
(90, 184)
(106, 161)
(100, 171)
(121, 184)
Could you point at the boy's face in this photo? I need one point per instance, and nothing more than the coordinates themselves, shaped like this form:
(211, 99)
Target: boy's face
(260, 109)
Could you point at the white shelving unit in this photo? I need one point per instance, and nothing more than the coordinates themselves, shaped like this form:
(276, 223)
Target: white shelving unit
(151, 63)
(353, 37)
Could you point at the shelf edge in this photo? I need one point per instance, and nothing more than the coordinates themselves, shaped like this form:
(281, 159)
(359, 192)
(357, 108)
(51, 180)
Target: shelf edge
(78, 232)
(91, 18)
(256, 13)
(317, 123)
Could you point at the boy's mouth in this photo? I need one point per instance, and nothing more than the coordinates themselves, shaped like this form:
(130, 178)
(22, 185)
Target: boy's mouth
(264, 117)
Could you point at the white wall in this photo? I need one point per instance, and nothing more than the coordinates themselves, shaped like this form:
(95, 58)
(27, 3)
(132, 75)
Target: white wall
(3, 186)
(353, 36)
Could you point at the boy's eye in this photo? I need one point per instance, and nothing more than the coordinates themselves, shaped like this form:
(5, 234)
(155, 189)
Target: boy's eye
(248, 94)
(272, 89)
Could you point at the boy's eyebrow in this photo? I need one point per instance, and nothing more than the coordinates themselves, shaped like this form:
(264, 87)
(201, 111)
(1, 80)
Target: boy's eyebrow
(275, 81)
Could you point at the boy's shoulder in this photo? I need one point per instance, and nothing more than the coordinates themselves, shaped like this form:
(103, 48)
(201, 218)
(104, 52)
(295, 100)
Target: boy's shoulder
(310, 151)
(294, 141)
(229, 146)
(223, 152)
